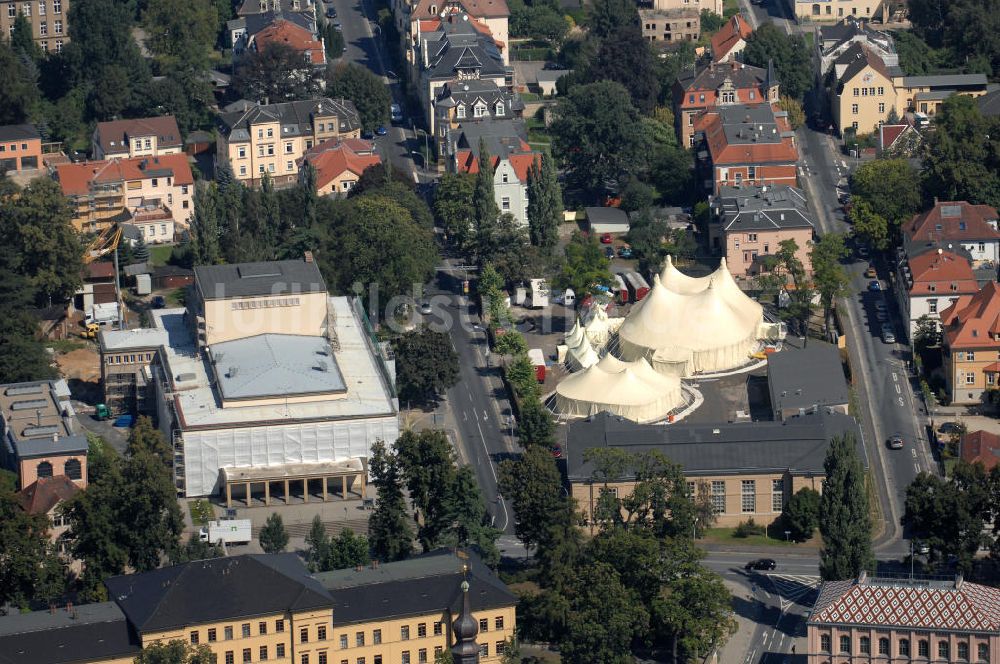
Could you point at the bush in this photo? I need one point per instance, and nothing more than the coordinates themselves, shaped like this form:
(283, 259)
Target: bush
(801, 515)
(748, 528)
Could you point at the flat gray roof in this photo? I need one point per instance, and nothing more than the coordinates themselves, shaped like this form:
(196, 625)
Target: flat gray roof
(606, 215)
(219, 282)
(798, 445)
(806, 377)
(943, 80)
(143, 337)
(762, 208)
(269, 365)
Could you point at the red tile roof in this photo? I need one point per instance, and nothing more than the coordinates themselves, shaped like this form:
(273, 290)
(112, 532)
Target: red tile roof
(477, 8)
(102, 270)
(46, 493)
(286, 32)
(889, 134)
(434, 24)
(953, 220)
(521, 162)
(942, 272)
(981, 446)
(974, 322)
(731, 34)
(113, 136)
(897, 603)
(724, 153)
(75, 179)
(333, 157)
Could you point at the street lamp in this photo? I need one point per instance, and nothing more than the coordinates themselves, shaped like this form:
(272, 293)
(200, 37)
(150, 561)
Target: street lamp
(787, 534)
(694, 529)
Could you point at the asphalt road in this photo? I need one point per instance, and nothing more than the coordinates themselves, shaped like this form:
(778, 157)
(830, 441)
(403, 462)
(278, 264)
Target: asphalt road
(885, 393)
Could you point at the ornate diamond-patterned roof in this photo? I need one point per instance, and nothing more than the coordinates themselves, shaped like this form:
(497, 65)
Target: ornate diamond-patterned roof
(957, 605)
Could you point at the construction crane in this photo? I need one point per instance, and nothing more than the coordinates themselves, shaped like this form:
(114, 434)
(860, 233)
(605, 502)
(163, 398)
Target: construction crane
(105, 243)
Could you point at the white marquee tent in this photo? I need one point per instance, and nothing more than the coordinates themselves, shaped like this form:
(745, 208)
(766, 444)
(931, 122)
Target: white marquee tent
(687, 324)
(629, 389)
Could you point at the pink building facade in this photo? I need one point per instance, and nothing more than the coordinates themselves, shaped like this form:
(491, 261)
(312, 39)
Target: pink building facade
(892, 621)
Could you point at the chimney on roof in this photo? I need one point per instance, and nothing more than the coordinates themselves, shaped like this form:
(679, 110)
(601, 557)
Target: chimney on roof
(308, 256)
(863, 577)
(959, 581)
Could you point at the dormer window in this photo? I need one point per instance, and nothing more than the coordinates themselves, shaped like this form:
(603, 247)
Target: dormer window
(479, 110)
(932, 287)
(499, 108)
(460, 111)
(961, 225)
(434, 10)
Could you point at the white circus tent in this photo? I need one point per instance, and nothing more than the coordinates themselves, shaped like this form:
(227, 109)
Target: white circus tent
(628, 389)
(687, 325)
(580, 354)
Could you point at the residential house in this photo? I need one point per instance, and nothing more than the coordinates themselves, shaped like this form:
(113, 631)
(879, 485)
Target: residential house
(835, 10)
(493, 15)
(456, 49)
(930, 282)
(903, 619)
(283, 7)
(731, 39)
(971, 344)
(141, 137)
(869, 91)
(47, 496)
(714, 6)
(512, 159)
(274, 610)
(601, 220)
(272, 138)
(807, 379)
(953, 225)
(339, 164)
(244, 27)
(121, 190)
(746, 145)
(289, 33)
(981, 446)
(715, 85)
(466, 103)
(669, 26)
(20, 148)
(48, 20)
(749, 470)
(41, 437)
(898, 141)
(833, 41)
(750, 222)
(547, 80)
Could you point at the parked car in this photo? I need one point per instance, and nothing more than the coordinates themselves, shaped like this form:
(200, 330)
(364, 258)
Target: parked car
(609, 252)
(367, 135)
(337, 26)
(425, 307)
(396, 113)
(949, 429)
(923, 548)
(895, 442)
(381, 131)
(874, 286)
(606, 238)
(863, 251)
(871, 272)
(625, 252)
(888, 334)
(158, 302)
(331, 12)
(880, 306)
(764, 564)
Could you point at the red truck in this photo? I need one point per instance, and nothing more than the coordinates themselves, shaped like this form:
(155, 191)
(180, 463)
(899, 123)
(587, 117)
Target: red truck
(538, 361)
(637, 286)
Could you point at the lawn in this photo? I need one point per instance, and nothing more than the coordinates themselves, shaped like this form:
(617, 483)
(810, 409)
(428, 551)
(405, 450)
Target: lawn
(176, 297)
(727, 536)
(65, 345)
(160, 254)
(537, 133)
(201, 512)
(809, 37)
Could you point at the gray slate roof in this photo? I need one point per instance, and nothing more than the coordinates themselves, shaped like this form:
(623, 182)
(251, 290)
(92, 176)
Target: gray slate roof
(216, 589)
(712, 76)
(746, 124)
(946, 80)
(989, 104)
(219, 282)
(296, 117)
(606, 215)
(18, 132)
(797, 445)
(762, 208)
(84, 633)
(268, 365)
(417, 586)
(458, 45)
(806, 377)
(502, 137)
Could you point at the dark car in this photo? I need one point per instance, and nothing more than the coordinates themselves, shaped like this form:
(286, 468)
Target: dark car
(331, 12)
(763, 564)
(158, 302)
(625, 252)
(367, 135)
(874, 286)
(381, 131)
(609, 252)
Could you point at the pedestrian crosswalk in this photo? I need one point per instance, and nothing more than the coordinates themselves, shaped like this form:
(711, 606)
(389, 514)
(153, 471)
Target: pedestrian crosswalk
(794, 589)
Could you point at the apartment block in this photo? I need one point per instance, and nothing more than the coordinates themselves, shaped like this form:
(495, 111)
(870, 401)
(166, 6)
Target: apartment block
(48, 19)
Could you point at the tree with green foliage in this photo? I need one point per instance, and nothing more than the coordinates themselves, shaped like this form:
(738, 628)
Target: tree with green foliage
(637, 195)
(711, 22)
(626, 58)
(20, 89)
(334, 42)
(273, 536)
(961, 157)
(276, 73)
(144, 437)
(535, 426)
(801, 514)
(885, 194)
(605, 617)
(606, 17)
(545, 204)
(317, 545)
(176, 652)
(671, 170)
(598, 135)
(453, 206)
(927, 335)
(389, 531)
(194, 549)
(205, 225)
(484, 204)
(586, 265)
(27, 559)
(181, 33)
(22, 40)
(40, 241)
(324, 553)
(792, 106)
(789, 53)
(968, 27)
(359, 84)
(426, 365)
(829, 277)
(844, 519)
(23, 356)
(533, 486)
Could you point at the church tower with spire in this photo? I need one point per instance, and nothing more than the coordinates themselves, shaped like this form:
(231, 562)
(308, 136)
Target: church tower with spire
(465, 627)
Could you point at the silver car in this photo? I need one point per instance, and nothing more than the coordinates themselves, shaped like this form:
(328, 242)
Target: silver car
(888, 334)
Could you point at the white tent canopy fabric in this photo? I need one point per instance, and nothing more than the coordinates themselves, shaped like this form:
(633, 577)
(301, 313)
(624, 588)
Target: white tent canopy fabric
(628, 389)
(687, 325)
